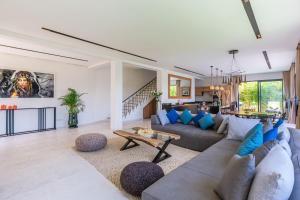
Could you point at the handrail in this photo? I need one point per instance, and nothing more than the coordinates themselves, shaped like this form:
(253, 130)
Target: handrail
(139, 90)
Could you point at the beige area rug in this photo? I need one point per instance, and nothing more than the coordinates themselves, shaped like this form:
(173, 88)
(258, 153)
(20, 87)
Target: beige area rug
(110, 161)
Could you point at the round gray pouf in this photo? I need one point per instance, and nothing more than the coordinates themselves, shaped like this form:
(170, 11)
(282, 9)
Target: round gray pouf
(137, 176)
(90, 142)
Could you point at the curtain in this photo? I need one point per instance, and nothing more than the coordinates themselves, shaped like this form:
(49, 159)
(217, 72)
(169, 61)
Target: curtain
(292, 105)
(286, 89)
(297, 70)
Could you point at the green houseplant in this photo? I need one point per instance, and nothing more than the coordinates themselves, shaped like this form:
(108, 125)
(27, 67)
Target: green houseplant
(157, 95)
(74, 105)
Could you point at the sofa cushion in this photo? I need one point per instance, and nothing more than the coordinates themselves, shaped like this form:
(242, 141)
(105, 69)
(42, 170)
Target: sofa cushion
(278, 123)
(191, 137)
(172, 116)
(237, 178)
(197, 178)
(213, 160)
(182, 183)
(223, 126)
(218, 119)
(162, 116)
(186, 117)
(239, 127)
(286, 147)
(155, 120)
(206, 122)
(274, 177)
(198, 117)
(270, 134)
(261, 152)
(295, 148)
(268, 125)
(252, 142)
(283, 132)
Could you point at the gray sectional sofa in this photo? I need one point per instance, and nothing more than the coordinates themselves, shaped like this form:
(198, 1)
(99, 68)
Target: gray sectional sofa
(191, 137)
(197, 178)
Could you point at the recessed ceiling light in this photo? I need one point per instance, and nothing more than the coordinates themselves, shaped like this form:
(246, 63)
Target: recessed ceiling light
(267, 59)
(95, 43)
(42, 52)
(251, 17)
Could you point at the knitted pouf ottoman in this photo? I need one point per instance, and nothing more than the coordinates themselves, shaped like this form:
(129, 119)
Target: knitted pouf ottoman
(90, 142)
(137, 176)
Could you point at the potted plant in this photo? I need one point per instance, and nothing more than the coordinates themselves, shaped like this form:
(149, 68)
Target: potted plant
(157, 95)
(74, 105)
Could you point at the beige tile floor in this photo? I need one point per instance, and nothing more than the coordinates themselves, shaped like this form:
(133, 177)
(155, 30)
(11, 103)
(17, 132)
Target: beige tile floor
(44, 166)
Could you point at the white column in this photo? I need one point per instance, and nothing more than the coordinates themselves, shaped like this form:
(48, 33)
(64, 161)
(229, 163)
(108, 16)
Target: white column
(116, 95)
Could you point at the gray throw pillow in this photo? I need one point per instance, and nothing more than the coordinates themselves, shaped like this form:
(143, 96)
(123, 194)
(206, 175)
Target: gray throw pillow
(261, 152)
(218, 119)
(162, 115)
(223, 126)
(237, 178)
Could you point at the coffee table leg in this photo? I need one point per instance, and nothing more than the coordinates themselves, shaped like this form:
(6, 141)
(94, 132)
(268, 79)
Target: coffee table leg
(162, 154)
(127, 146)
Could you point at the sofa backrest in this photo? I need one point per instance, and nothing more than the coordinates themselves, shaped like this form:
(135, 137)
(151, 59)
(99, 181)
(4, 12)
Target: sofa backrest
(295, 148)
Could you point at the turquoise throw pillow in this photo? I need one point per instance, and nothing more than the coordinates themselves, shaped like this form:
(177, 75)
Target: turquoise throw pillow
(252, 142)
(278, 123)
(186, 117)
(206, 122)
(270, 135)
(173, 116)
(198, 117)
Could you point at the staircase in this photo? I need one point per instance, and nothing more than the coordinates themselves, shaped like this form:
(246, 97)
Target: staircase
(137, 98)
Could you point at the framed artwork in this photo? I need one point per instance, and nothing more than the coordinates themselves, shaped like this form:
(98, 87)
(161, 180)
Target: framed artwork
(26, 84)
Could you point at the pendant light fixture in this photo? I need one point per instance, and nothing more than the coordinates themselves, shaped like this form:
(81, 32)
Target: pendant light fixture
(217, 80)
(221, 87)
(236, 74)
(211, 87)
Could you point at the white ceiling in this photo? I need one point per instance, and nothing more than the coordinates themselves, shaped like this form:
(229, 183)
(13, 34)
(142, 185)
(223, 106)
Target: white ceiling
(193, 34)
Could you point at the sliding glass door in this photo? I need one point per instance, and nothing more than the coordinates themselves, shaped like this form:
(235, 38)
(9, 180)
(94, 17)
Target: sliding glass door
(248, 97)
(261, 96)
(271, 96)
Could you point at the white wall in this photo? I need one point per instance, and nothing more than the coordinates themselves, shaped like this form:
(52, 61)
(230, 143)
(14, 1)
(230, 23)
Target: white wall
(135, 78)
(95, 82)
(264, 76)
(162, 84)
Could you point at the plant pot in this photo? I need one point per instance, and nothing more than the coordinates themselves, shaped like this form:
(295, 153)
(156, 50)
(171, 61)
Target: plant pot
(158, 107)
(73, 120)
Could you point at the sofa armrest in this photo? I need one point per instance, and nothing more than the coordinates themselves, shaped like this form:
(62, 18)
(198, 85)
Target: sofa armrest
(155, 120)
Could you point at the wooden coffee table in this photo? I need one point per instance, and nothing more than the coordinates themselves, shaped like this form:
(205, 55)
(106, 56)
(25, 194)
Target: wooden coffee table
(160, 141)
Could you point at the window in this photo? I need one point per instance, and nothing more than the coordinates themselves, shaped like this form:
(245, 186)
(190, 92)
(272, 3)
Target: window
(271, 96)
(248, 100)
(262, 96)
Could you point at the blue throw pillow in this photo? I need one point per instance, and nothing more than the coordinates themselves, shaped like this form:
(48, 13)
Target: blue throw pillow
(270, 135)
(206, 122)
(198, 117)
(162, 115)
(173, 116)
(278, 123)
(186, 117)
(252, 142)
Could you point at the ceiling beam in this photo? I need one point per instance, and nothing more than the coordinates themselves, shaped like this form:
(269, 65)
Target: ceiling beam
(42, 52)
